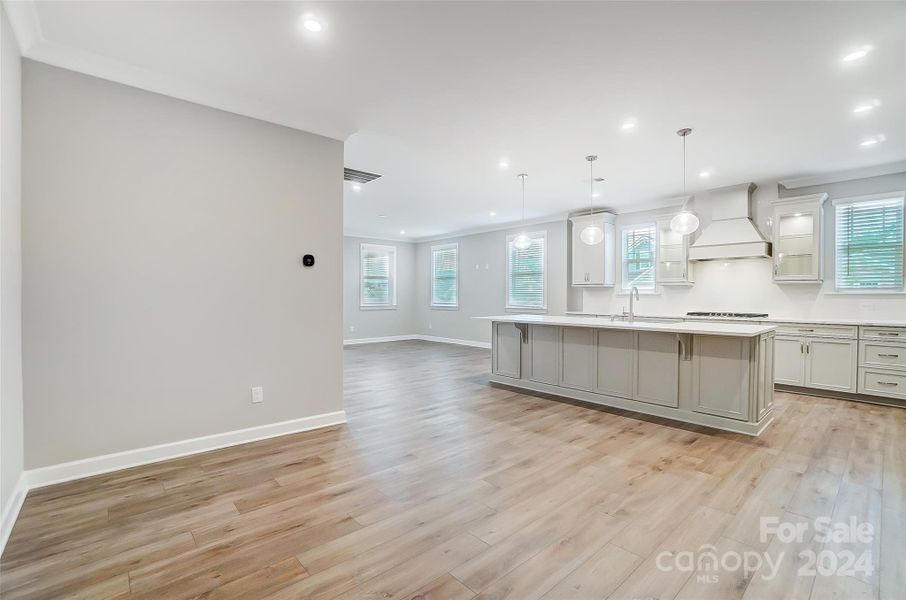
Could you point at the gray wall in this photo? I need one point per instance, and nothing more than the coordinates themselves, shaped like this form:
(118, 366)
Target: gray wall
(11, 443)
(162, 259)
(359, 323)
(482, 282)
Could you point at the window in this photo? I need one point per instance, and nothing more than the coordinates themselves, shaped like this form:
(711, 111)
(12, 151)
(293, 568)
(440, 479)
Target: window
(445, 276)
(378, 276)
(639, 257)
(869, 243)
(525, 286)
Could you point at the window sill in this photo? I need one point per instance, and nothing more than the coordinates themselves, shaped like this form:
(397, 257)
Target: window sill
(525, 309)
(866, 293)
(377, 307)
(641, 293)
(443, 307)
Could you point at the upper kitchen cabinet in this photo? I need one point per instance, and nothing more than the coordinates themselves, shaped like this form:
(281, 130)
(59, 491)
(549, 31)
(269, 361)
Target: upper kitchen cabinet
(798, 254)
(673, 266)
(593, 264)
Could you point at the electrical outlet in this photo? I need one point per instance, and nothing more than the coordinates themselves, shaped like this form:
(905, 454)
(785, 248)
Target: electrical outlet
(352, 329)
(430, 326)
(257, 395)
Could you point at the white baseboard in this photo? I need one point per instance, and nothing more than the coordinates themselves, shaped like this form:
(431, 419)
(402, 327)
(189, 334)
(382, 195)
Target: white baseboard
(107, 463)
(11, 510)
(416, 336)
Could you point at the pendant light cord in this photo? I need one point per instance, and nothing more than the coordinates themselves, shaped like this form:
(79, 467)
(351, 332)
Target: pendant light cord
(684, 168)
(591, 186)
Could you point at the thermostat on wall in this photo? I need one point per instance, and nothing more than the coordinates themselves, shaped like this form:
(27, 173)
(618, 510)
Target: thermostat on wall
(308, 260)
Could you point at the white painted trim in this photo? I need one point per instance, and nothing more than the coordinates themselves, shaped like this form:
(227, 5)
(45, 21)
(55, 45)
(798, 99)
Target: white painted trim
(11, 510)
(417, 336)
(107, 463)
(513, 227)
(847, 175)
(379, 340)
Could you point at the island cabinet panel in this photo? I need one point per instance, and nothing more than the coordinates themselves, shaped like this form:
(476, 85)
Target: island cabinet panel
(789, 360)
(577, 358)
(616, 360)
(831, 364)
(656, 374)
(544, 353)
(720, 376)
(765, 379)
(507, 350)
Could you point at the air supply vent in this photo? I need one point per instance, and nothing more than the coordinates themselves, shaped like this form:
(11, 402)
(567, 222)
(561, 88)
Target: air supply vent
(359, 176)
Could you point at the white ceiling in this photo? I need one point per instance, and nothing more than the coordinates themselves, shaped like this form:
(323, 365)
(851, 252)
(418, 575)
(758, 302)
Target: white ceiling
(433, 95)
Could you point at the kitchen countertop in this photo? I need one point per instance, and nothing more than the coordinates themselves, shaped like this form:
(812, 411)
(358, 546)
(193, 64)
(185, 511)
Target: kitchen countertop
(769, 319)
(728, 329)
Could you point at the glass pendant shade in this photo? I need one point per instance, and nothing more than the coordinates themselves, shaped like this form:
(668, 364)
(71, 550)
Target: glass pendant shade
(522, 242)
(684, 222)
(592, 235)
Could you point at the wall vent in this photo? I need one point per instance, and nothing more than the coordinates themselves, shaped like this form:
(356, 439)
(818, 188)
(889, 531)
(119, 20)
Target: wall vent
(359, 176)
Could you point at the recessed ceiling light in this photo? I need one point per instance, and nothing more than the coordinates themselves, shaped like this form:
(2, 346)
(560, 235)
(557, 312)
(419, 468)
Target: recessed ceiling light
(382, 216)
(873, 140)
(706, 173)
(402, 232)
(492, 214)
(312, 24)
(503, 164)
(356, 188)
(596, 195)
(857, 54)
(629, 124)
(866, 106)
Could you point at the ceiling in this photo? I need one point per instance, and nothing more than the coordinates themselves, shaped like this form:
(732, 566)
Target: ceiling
(434, 95)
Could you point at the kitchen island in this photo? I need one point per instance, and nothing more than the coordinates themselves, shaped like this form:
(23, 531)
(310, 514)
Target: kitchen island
(714, 374)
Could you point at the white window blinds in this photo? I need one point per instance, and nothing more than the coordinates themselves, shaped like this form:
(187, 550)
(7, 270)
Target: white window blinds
(638, 252)
(378, 275)
(445, 275)
(525, 273)
(869, 243)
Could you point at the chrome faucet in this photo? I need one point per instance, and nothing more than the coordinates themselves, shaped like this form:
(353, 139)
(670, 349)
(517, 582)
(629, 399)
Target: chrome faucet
(633, 292)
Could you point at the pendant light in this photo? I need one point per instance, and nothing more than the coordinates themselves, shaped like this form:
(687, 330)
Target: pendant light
(684, 222)
(592, 234)
(522, 241)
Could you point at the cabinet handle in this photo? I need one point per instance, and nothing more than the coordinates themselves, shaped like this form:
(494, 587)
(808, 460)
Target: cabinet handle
(801, 347)
(889, 355)
(888, 333)
(775, 268)
(808, 346)
(807, 330)
(893, 383)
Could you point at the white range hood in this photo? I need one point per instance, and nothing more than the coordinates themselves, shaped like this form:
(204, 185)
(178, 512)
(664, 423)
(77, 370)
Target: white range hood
(731, 233)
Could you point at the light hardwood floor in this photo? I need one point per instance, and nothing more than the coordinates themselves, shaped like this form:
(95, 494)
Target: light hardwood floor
(442, 486)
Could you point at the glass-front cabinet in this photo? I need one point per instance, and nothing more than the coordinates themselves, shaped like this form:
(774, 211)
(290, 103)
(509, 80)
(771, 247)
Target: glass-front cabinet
(798, 255)
(673, 265)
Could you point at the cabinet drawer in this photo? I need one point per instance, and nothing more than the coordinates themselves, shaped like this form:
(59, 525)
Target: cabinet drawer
(838, 331)
(882, 354)
(890, 334)
(882, 383)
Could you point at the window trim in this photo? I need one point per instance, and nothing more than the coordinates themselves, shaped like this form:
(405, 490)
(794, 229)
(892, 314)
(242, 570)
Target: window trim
(392, 304)
(640, 225)
(431, 304)
(896, 195)
(506, 265)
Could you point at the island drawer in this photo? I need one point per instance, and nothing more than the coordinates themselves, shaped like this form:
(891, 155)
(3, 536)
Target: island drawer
(879, 382)
(838, 331)
(882, 354)
(890, 334)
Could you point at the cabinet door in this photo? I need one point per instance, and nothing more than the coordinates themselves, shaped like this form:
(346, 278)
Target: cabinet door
(789, 357)
(588, 261)
(577, 357)
(672, 255)
(656, 374)
(831, 364)
(545, 355)
(615, 358)
(507, 350)
(720, 376)
(796, 244)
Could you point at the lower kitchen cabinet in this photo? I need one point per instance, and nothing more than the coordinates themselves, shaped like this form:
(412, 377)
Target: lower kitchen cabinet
(577, 358)
(830, 364)
(544, 354)
(721, 382)
(789, 360)
(615, 357)
(507, 350)
(656, 368)
(879, 382)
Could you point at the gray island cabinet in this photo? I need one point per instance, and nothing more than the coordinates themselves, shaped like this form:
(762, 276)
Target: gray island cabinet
(714, 374)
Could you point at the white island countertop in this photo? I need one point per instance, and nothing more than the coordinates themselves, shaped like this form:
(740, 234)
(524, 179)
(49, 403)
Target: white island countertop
(696, 328)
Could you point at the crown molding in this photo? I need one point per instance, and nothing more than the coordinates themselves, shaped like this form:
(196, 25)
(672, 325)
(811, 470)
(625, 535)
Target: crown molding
(845, 175)
(511, 226)
(26, 25)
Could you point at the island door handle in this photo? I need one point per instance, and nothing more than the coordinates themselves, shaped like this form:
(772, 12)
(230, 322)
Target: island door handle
(890, 333)
(801, 347)
(807, 348)
(887, 383)
(807, 330)
(889, 355)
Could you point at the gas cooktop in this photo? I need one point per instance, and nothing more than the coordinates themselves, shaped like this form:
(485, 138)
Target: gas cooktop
(728, 315)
